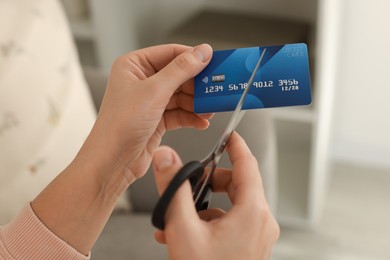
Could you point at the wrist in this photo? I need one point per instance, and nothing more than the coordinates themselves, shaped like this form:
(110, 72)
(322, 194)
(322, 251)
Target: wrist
(100, 158)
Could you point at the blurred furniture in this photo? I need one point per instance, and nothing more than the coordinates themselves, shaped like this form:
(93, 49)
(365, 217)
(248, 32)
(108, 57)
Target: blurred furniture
(45, 107)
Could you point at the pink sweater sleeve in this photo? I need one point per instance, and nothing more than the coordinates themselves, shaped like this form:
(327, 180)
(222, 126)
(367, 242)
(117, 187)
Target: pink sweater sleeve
(26, 237)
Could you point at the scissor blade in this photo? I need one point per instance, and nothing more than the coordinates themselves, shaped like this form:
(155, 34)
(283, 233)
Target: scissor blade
(216, 153)
(238, 113)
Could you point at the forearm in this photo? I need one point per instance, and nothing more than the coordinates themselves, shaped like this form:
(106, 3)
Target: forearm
(78, 203)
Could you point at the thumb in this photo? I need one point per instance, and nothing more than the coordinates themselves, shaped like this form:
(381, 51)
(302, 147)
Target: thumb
(183, 67)
(181, 210)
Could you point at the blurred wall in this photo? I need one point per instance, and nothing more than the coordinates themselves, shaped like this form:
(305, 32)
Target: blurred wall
(361, 128)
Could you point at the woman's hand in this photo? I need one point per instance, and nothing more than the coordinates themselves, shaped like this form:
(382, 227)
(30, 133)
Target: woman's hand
(149, 92)
(248, 231)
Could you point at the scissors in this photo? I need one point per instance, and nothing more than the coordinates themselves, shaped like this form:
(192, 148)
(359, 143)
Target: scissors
(194, 170)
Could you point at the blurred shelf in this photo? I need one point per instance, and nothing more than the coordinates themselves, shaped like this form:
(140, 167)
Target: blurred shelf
(230, 30)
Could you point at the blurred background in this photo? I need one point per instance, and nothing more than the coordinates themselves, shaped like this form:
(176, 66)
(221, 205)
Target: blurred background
(333, 157)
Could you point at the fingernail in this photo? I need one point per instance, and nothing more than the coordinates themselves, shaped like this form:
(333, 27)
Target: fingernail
(163, 158)
(203, 52)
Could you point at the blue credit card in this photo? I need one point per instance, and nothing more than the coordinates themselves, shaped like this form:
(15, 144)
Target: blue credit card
(283, 79)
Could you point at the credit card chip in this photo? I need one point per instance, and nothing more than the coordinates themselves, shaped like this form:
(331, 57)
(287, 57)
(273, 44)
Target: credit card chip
(218, 78)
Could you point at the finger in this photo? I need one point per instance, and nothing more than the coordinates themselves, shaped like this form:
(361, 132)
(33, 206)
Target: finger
(161, 55)
(166, 163)
(187, 87)
(174, 119)
(181, 210)
(211, 214)
(222, 182)
(206, 116)
(186, 102)
(222, 178)
(159, 236)
(144, 63)
(181, 100)
(246, 187)
(152, 59)
(181, 69)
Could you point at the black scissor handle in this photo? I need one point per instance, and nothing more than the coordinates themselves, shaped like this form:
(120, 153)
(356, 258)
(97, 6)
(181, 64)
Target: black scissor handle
(204, 199)
(193, 171)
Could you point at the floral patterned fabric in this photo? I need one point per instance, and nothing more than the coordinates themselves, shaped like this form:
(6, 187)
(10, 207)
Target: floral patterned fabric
(45, 108)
